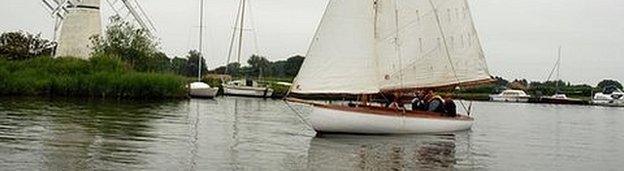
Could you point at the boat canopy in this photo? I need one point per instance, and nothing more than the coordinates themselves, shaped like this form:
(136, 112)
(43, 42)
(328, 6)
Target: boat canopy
(370, 46)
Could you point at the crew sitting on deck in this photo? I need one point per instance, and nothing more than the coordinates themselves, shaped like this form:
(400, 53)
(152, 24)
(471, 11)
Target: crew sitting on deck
(428, 101)
(396, 102)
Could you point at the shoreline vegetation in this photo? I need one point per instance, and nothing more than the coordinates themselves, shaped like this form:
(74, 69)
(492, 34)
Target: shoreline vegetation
(99, 77)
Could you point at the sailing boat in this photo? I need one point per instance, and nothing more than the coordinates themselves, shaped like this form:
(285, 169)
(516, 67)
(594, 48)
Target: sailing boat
(373, 47)
(559, 97)
(246, 87)
(200, 89)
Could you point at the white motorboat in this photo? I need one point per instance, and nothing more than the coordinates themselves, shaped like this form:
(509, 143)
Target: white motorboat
(248, 88)
(610, 96)
(202, 90)
(371, 47)
(511, 96)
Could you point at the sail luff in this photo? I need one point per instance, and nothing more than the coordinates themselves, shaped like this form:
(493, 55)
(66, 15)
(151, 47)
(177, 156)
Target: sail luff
(477, 39)
(341, 58)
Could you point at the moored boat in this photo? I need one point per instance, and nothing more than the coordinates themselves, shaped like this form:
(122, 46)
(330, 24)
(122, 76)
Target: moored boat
(561, 99)
(518, 96)
(558, 97)
(248, 88)
(610, 96)
(200, 89)
(374, 47)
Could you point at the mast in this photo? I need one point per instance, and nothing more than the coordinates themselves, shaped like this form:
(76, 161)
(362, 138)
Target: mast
(242, 24)
(231, 48)
(558, 70)
(201, 37)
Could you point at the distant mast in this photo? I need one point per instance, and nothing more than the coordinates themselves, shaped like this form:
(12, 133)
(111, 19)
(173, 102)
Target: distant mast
(201, 40)
(238, 30)
(392, 45)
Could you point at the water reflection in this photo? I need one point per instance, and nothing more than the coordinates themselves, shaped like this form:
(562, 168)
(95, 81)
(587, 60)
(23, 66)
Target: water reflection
(408, 152)
(231, 133)
(69, 133)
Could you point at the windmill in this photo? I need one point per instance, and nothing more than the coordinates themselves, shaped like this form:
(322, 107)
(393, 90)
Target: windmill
(76, 21)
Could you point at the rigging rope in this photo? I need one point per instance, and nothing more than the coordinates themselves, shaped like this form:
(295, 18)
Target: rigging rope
(447, 51)
(299, 116)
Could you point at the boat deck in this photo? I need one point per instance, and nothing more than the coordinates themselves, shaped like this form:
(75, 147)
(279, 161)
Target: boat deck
(381, 110)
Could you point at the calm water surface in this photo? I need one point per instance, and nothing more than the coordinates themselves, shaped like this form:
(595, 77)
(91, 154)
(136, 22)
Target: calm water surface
(251, 134)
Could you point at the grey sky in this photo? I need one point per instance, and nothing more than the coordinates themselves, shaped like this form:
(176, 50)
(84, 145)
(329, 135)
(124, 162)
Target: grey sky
(520, 38)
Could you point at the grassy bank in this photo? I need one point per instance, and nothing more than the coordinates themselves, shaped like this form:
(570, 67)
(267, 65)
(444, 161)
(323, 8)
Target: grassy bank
(101, 77)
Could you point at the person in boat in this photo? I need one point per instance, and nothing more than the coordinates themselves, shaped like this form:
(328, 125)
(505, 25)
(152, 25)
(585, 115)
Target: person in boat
(429, 101)
(435, 103)
(395, 101)
(450, 109)
(418, 103)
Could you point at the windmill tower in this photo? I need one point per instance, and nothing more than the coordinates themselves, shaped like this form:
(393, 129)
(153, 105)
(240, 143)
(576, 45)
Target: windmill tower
(79, 20)
(81, 23)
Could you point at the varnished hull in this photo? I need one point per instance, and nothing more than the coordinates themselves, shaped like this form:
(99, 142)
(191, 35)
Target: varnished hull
(372, 120)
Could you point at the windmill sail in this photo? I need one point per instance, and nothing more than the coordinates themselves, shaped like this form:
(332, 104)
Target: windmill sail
(368, 46)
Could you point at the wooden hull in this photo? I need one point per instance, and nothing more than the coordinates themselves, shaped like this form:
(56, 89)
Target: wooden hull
(247, 91)
(203, 92)
(376, 120)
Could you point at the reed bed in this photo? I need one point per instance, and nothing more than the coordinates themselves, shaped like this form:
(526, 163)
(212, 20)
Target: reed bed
(99, 77)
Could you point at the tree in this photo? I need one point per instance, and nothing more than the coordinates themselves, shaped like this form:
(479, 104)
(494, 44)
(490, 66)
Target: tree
(607, 83)
(293, 65)
(21, 45)
(234, 69)
(134, 45)
(178, 65)
(192, 64)
(159, 62)
(258, 65)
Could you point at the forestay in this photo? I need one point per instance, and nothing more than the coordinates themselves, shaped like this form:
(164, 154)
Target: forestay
(368, 46)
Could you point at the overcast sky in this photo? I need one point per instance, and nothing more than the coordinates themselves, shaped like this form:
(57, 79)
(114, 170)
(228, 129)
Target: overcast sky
(520, 38)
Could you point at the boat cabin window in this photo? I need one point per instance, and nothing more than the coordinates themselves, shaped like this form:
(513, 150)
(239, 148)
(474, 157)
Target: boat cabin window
(249, 82)
(511, 93)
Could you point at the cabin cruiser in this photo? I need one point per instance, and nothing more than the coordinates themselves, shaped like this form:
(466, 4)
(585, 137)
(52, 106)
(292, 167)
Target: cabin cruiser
(246, 87)
(610, 96)
(510, 96)
(560, 98)
(202, 90)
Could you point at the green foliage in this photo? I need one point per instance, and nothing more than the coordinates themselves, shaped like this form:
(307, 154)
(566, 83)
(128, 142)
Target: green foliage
(192, 64)
(607, 83)
(102, 76)
(559, 86)
(133, 45)
(260, 66)
(178, 65)
(21, 45)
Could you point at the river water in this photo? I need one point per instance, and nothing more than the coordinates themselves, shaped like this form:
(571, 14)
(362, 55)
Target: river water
(231, 133)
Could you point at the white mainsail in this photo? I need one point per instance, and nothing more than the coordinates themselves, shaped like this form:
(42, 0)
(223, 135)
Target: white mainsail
(368, 46)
